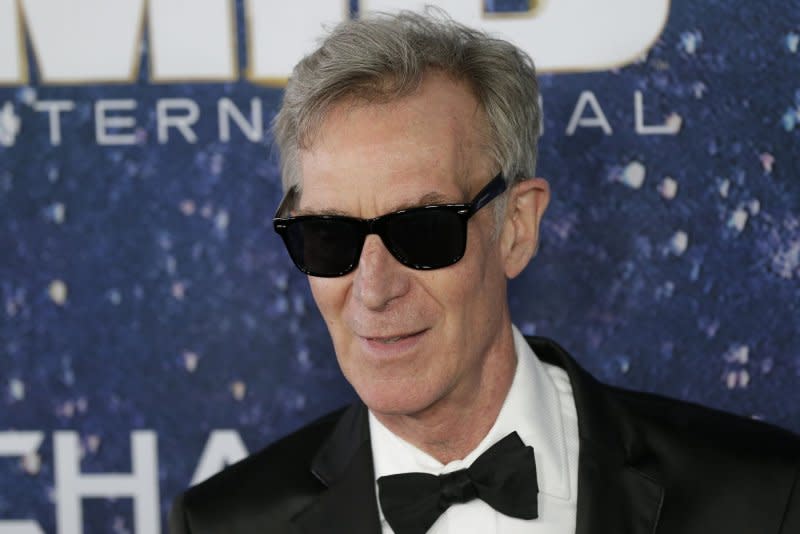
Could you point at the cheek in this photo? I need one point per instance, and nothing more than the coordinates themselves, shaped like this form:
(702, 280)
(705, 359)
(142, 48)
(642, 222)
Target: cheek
(477, 293)
(329, 294)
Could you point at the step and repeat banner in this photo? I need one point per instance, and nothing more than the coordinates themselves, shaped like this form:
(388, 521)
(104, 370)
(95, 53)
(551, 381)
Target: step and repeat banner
(153, 329)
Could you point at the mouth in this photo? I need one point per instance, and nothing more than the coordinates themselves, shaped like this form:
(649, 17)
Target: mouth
(394, 345)
(391, 340)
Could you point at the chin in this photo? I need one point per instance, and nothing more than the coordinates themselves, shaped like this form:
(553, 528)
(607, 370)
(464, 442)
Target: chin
(395, 397)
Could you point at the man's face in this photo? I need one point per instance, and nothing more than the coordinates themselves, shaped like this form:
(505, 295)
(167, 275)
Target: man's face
(409, 340)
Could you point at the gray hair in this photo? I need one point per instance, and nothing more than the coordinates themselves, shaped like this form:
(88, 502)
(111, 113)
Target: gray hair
(383, 57)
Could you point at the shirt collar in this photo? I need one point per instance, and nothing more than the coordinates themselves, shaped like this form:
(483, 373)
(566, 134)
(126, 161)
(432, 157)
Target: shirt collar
(531, 408)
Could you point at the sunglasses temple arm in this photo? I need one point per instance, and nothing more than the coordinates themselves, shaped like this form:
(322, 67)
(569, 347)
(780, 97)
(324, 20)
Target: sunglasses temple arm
(488, 193)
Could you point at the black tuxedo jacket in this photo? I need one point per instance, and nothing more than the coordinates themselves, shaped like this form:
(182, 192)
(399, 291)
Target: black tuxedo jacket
(647, 465)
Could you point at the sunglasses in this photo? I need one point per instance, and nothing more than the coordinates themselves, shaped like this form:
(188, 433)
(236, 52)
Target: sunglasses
(424, 237)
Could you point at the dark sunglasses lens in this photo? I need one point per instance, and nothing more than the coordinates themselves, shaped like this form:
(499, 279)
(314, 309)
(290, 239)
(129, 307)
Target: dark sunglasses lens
(324, 247)
(427, 238)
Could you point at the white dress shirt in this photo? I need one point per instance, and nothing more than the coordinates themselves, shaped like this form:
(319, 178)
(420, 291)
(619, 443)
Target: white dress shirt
(540, 408)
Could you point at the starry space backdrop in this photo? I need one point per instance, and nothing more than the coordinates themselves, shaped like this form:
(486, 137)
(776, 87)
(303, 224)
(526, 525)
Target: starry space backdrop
(142, 287)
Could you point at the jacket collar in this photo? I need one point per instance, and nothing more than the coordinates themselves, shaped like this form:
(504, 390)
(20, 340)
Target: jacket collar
(618, 487)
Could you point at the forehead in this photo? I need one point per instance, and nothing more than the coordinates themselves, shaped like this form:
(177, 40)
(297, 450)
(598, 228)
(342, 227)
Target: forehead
(371, 158)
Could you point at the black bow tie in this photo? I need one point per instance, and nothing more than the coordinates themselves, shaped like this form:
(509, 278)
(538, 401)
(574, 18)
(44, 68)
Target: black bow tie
(504, 477)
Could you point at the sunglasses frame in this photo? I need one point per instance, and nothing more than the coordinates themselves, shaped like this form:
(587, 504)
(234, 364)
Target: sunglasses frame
(377, 226)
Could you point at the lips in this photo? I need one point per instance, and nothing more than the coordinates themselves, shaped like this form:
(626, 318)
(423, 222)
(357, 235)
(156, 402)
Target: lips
(393, 338)
(393, 345)
(388, 340)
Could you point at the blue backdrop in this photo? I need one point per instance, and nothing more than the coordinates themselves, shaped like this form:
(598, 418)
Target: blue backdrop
(142, 287)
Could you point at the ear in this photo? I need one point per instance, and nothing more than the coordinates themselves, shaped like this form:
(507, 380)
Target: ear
(527, 203)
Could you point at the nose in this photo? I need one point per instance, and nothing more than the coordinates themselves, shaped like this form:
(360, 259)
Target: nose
(379, 277)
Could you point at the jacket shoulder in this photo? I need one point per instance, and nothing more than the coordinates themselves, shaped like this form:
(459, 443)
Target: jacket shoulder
(655, 416)
(713, 467)
(701, 427)
(715, 463)
(269, 486)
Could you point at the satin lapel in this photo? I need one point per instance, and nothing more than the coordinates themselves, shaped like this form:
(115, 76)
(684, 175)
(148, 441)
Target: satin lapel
(614, 498)
(618, 488)
(344, 465)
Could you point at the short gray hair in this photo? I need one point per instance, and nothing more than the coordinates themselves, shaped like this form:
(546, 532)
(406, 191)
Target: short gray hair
(385, 56)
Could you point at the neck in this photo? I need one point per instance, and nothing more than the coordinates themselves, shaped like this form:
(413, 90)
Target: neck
(453, 426)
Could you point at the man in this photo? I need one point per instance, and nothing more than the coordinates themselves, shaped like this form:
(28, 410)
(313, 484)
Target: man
(408, 146)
